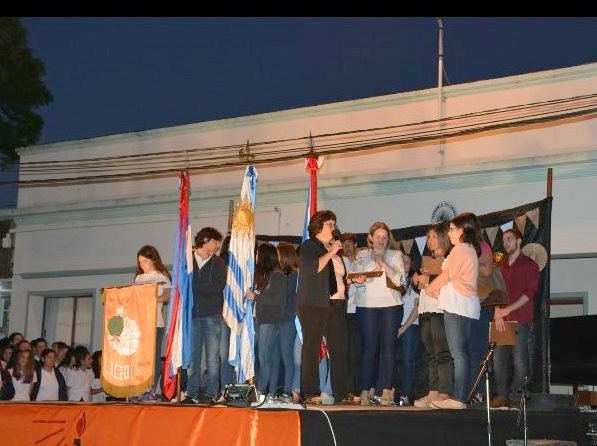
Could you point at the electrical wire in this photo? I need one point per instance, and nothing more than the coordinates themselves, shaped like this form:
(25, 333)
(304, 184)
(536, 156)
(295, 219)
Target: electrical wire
(166, 163)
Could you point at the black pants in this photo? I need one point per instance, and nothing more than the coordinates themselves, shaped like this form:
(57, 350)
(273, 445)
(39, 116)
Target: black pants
(330, 322)
(441, 368)
(354, 354)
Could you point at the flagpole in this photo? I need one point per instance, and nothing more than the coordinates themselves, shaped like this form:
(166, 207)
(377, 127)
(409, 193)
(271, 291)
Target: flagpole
(178, 382)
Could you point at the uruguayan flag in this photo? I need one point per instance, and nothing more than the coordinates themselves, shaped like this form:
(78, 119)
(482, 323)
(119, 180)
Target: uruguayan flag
(238, 311)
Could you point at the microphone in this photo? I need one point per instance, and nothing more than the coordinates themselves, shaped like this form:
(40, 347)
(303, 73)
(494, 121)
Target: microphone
(336, 234)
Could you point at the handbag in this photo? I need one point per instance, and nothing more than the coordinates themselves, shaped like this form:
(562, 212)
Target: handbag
(492, 290)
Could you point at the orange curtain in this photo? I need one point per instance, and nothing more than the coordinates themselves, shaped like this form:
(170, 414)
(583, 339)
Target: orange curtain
(129, 339)
(47, 424)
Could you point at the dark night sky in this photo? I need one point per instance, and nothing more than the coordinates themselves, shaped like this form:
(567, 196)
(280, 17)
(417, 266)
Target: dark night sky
(118, 75)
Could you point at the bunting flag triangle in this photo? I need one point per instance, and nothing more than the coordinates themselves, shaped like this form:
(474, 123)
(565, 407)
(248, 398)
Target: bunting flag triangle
(408, 245)
(421, 241)
(492, 233)
(507, 225)
(521, 223)
(534, 216)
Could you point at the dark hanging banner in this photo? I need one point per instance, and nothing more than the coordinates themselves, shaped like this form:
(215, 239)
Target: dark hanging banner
(534, 222)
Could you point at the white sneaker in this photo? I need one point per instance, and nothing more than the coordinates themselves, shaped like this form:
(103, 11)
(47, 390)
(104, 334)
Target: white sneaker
(327, 398)
(260, 397)
(448, 404)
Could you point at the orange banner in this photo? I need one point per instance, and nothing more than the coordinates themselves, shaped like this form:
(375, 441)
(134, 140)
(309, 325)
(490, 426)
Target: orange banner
(46, 424)
(129, 339)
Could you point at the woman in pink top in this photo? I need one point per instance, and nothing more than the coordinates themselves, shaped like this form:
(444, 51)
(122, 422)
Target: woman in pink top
(459, 300)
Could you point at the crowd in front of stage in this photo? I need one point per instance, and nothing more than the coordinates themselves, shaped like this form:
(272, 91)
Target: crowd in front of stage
(359, 308)
(30, 371)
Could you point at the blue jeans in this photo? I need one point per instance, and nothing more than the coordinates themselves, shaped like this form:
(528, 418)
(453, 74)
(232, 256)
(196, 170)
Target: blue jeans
(206, 333)
(287, 334)
(479, 342)
(509, 385)
(379, 326)
(458, 334)
(296, 379)
(267, 336)
(410, 351)
(226, 370)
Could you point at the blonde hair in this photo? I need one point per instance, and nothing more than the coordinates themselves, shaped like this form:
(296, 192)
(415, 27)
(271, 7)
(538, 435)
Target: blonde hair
(392, 242)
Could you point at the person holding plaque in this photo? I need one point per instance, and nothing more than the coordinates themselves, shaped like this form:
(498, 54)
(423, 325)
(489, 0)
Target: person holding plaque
(521, 275)
(379, 310)
(431, 317)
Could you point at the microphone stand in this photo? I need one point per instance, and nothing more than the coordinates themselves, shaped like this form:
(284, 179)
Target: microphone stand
(484, 370)
(523, 408)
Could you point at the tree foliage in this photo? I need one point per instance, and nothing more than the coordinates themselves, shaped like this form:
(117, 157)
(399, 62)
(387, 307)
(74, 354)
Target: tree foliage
(22, 91)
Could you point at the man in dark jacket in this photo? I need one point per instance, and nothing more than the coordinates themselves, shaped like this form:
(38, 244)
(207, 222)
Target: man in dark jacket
(209, 279)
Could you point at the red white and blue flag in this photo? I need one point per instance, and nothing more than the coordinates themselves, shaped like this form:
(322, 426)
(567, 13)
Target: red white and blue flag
(178, 327)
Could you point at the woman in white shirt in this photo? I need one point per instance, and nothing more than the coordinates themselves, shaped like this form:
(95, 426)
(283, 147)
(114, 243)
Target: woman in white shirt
(433, 333)
(379, 310)
(97, 392)
(50, 384)
(22, 376)
(150, 269)
(78, 380)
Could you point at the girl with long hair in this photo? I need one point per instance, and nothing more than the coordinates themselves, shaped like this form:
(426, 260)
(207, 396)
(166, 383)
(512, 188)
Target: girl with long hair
(287, 328)
(459, 301)
(269, 297)
(150, 269)
(22, 376)
(433, 332)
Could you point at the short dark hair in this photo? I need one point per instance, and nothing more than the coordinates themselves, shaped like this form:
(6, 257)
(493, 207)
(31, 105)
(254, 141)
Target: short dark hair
(348, 236)
(317, 220)
(46, 352)
(58, 345)
(516, 232)
(14, 335)
(81, 352)
(206, 234)
(37, 341)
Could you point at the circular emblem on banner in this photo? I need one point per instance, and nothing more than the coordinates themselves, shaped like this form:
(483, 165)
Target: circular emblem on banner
(444, 211)
(125, 334)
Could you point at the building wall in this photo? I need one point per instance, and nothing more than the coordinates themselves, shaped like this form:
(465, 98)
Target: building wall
(86, 237)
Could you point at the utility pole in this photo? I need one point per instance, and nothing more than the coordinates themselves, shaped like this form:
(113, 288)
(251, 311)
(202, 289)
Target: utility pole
(440, 90)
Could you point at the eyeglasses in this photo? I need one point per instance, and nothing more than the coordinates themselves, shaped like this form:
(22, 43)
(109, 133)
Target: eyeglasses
(331, 224)
(453, 228)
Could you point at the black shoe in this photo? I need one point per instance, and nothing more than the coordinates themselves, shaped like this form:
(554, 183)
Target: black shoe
(188, 400)
(204, 399)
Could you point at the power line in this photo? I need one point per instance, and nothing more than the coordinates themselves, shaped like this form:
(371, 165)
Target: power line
(138, 166)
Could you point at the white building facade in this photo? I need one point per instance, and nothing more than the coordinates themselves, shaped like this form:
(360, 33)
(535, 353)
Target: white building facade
(71, 240)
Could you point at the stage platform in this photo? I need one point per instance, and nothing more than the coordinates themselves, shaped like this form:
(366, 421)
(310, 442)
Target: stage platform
(147, 424)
